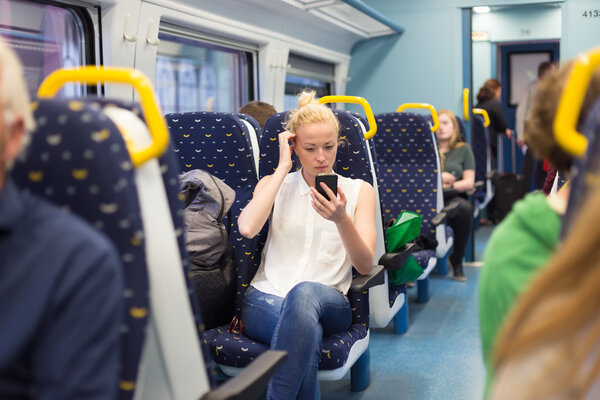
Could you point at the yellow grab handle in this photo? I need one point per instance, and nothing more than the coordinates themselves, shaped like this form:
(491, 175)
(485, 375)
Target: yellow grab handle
(569, 107)
(466, 104)
(355, 100)
(484, 113)
(436, 121)
(91, 75)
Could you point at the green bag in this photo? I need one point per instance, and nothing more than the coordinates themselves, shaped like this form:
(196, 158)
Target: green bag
(409, 272)
(405, 229)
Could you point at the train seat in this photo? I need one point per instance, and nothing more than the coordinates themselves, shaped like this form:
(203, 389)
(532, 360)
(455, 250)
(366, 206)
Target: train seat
(65, 169)
(585, 169)
(253, 122)
(352, 162)
(233, 351)
(410, 179)
(80, 161)
(483, 167)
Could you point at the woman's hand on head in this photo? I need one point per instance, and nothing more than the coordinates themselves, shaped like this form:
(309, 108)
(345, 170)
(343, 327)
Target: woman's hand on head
(285, 151)
(333, 209)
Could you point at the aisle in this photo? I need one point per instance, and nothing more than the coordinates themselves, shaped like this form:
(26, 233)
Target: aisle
(439, 357)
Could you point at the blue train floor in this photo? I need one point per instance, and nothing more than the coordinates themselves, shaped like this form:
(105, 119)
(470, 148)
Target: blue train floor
(438, 358)
(440, 355)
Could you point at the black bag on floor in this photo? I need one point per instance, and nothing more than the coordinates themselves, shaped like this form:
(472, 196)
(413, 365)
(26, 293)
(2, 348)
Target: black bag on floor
(508, 189)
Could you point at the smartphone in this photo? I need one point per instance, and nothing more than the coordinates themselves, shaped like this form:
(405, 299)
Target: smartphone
(330, 180)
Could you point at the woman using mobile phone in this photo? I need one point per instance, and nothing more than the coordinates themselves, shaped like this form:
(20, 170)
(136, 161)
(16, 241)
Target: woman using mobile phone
(299, 291)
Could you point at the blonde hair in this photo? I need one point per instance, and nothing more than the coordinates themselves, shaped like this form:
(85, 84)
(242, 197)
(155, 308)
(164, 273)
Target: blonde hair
(310, 112)
(455, 139)
(13, 91)
(561, 307)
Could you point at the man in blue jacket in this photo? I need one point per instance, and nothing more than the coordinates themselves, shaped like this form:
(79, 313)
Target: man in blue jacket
(60, 282)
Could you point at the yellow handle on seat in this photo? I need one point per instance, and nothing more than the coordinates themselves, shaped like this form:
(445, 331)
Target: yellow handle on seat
(436, 121)
(92, 75)
(484, 113)
(569, 107)
(466, 104)
(355, 100)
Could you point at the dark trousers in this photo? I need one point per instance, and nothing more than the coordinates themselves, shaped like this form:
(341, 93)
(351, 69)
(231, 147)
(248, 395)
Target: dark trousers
(460, 220)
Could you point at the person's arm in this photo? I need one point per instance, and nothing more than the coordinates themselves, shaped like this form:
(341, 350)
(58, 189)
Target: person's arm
(359, 237)
(257, 211)
(467, 182)
(76, 351)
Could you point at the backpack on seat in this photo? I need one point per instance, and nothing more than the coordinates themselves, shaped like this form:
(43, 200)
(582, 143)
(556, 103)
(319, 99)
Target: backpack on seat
(212, 273)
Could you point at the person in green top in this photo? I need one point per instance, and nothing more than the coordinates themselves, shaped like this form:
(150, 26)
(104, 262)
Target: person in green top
(524, 242)
(458, 176)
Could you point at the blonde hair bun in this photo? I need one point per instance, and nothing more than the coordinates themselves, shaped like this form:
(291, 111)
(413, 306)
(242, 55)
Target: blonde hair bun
(310, 112)
(307, 97)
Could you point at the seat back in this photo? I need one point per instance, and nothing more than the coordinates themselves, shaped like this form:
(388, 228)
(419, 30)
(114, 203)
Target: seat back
(586, 169)
(409, 169)
(78, 160)
(215, 142)
(160, 346)
(481, 150)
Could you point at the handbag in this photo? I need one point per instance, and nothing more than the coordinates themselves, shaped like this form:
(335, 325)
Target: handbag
(405, 229)
(409, 272)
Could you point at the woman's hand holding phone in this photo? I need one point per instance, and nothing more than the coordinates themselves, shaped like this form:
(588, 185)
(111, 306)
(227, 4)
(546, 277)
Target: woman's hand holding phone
(333, 209)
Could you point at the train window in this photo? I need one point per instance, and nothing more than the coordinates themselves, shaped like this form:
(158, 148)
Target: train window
(48, 37)
(307, 73)
(195, 72)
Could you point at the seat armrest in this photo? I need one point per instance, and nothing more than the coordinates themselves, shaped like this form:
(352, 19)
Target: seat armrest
(478, 185)
(439, 218)
(252, 382)
(396, 260)
(375, 278)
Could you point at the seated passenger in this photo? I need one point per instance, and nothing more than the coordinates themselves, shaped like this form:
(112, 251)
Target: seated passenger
(61, 286)
(258, 110)
(524, 242)
(299, 292)
(458, 176)
(549, 346)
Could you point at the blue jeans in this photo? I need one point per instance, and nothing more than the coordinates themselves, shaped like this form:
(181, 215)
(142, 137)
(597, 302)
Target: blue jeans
(296, 324)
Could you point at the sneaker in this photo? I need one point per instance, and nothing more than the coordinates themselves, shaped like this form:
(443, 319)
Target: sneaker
(457, 272)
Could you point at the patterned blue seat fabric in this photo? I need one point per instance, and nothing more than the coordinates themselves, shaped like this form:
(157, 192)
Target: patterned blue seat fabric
(587, 168)
(78, 160)
(215, 142)
(481, 150)
(252, 122)
(394, 291)
(170, 171)
(408, 172)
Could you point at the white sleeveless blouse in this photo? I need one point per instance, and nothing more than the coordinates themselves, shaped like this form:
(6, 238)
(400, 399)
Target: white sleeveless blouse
(301, 245)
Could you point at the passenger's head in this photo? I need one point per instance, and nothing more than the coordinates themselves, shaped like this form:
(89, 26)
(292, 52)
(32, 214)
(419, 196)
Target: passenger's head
(258, 110)
(316, 134)
(490, 90)
(539, 130)
(16, 120)
(560, 311)
(449, 129)
(544, 68)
